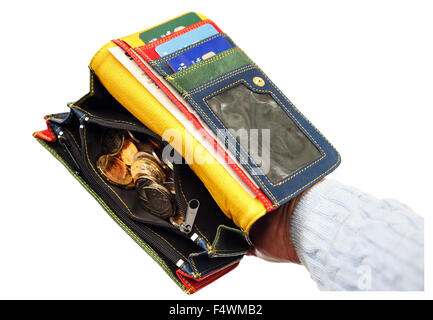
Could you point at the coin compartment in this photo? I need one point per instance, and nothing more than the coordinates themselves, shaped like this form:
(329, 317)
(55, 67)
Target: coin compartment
(211, 224)
(128, 199)
(102, 111)
(213, 235)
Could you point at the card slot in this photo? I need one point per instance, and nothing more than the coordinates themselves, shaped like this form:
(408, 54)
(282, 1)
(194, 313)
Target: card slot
(148, 52)
(186, 115)
(159, 31)
(208, 69)
(161, 64)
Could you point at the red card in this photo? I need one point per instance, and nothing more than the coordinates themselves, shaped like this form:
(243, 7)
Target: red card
(148, 53)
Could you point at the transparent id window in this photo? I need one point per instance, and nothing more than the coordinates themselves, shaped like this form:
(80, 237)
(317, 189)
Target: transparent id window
(264, 130)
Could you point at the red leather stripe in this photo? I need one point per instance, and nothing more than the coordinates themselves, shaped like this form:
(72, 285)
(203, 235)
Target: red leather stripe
(195, 285)
(148, 53)
(47, 134)
(262, 197)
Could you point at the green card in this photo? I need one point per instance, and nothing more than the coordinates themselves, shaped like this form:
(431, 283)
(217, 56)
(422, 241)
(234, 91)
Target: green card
(169, 27)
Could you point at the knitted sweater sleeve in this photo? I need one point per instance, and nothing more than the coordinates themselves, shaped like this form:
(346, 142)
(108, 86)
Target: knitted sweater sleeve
(349, 240)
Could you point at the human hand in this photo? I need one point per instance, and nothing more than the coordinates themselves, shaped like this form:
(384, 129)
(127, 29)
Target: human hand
(271, 237)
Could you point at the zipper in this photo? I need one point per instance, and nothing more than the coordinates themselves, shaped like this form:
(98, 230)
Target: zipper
(157, 257)
(154, 241)
(189, 214)
(66, 144)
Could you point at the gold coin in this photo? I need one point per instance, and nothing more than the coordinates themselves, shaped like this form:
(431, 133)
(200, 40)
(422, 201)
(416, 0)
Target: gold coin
(114, 170)
(129, 150)
(144, 165)
(170, 186)
(112, 141)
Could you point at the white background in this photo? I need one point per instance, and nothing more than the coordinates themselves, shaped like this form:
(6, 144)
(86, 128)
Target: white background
(361, 71)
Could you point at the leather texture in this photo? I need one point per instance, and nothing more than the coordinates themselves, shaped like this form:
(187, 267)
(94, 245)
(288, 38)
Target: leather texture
(219, 244)
(162, 66)
(235, 202)
(81, 130)
(136, 99)
(288, 148)
(282, 191)
(208, 69)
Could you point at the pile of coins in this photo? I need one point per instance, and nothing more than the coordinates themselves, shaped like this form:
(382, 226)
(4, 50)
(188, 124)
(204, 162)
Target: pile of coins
(128, 162)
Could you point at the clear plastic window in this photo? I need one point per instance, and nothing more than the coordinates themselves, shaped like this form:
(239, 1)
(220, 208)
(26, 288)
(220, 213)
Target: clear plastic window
(271, 138)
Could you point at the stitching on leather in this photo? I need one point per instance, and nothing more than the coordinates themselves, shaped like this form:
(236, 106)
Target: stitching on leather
(73, 138)
(92, 91)
(198, 274)
(266, 202)
(186, 200)
(140, 51)
(156, 64)
(176, 34)
(165, 240)
(175, 54)
(215, 250)
(214, 267)
(292, 118)
(208, 61)
(88, 159)
(197, 90)
(263, 198)
(144, 245)
(237, 153)
(319, 177)
(190, 286)
(293, 106)
(111, 120)
(222, 78)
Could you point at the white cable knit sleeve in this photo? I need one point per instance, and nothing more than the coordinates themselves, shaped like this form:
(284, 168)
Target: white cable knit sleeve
(349, 240)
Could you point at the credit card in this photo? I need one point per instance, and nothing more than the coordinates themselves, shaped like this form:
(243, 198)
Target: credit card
(186, 39)
(169, 27)
(199, 53)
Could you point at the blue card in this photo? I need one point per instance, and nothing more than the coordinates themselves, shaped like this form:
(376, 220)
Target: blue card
(199, 53)
(186, 39)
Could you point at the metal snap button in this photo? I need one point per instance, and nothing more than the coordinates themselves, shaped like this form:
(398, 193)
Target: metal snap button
(259, 81)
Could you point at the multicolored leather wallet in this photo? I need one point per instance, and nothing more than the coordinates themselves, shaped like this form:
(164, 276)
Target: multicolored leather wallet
(191, 105)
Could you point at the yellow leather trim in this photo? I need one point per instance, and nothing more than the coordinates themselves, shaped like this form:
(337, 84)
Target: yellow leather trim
(234, 201)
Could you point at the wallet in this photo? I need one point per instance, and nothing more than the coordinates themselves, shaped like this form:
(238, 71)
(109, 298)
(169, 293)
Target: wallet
(187, 87)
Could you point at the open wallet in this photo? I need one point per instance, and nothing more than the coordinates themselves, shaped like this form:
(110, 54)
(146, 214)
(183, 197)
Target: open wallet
(164, 142)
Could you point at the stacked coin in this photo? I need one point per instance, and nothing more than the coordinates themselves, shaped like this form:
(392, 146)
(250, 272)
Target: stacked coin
(128, 162)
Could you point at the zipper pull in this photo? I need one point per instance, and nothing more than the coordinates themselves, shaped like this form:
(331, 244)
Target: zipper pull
(191, 213)
(66, 146)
